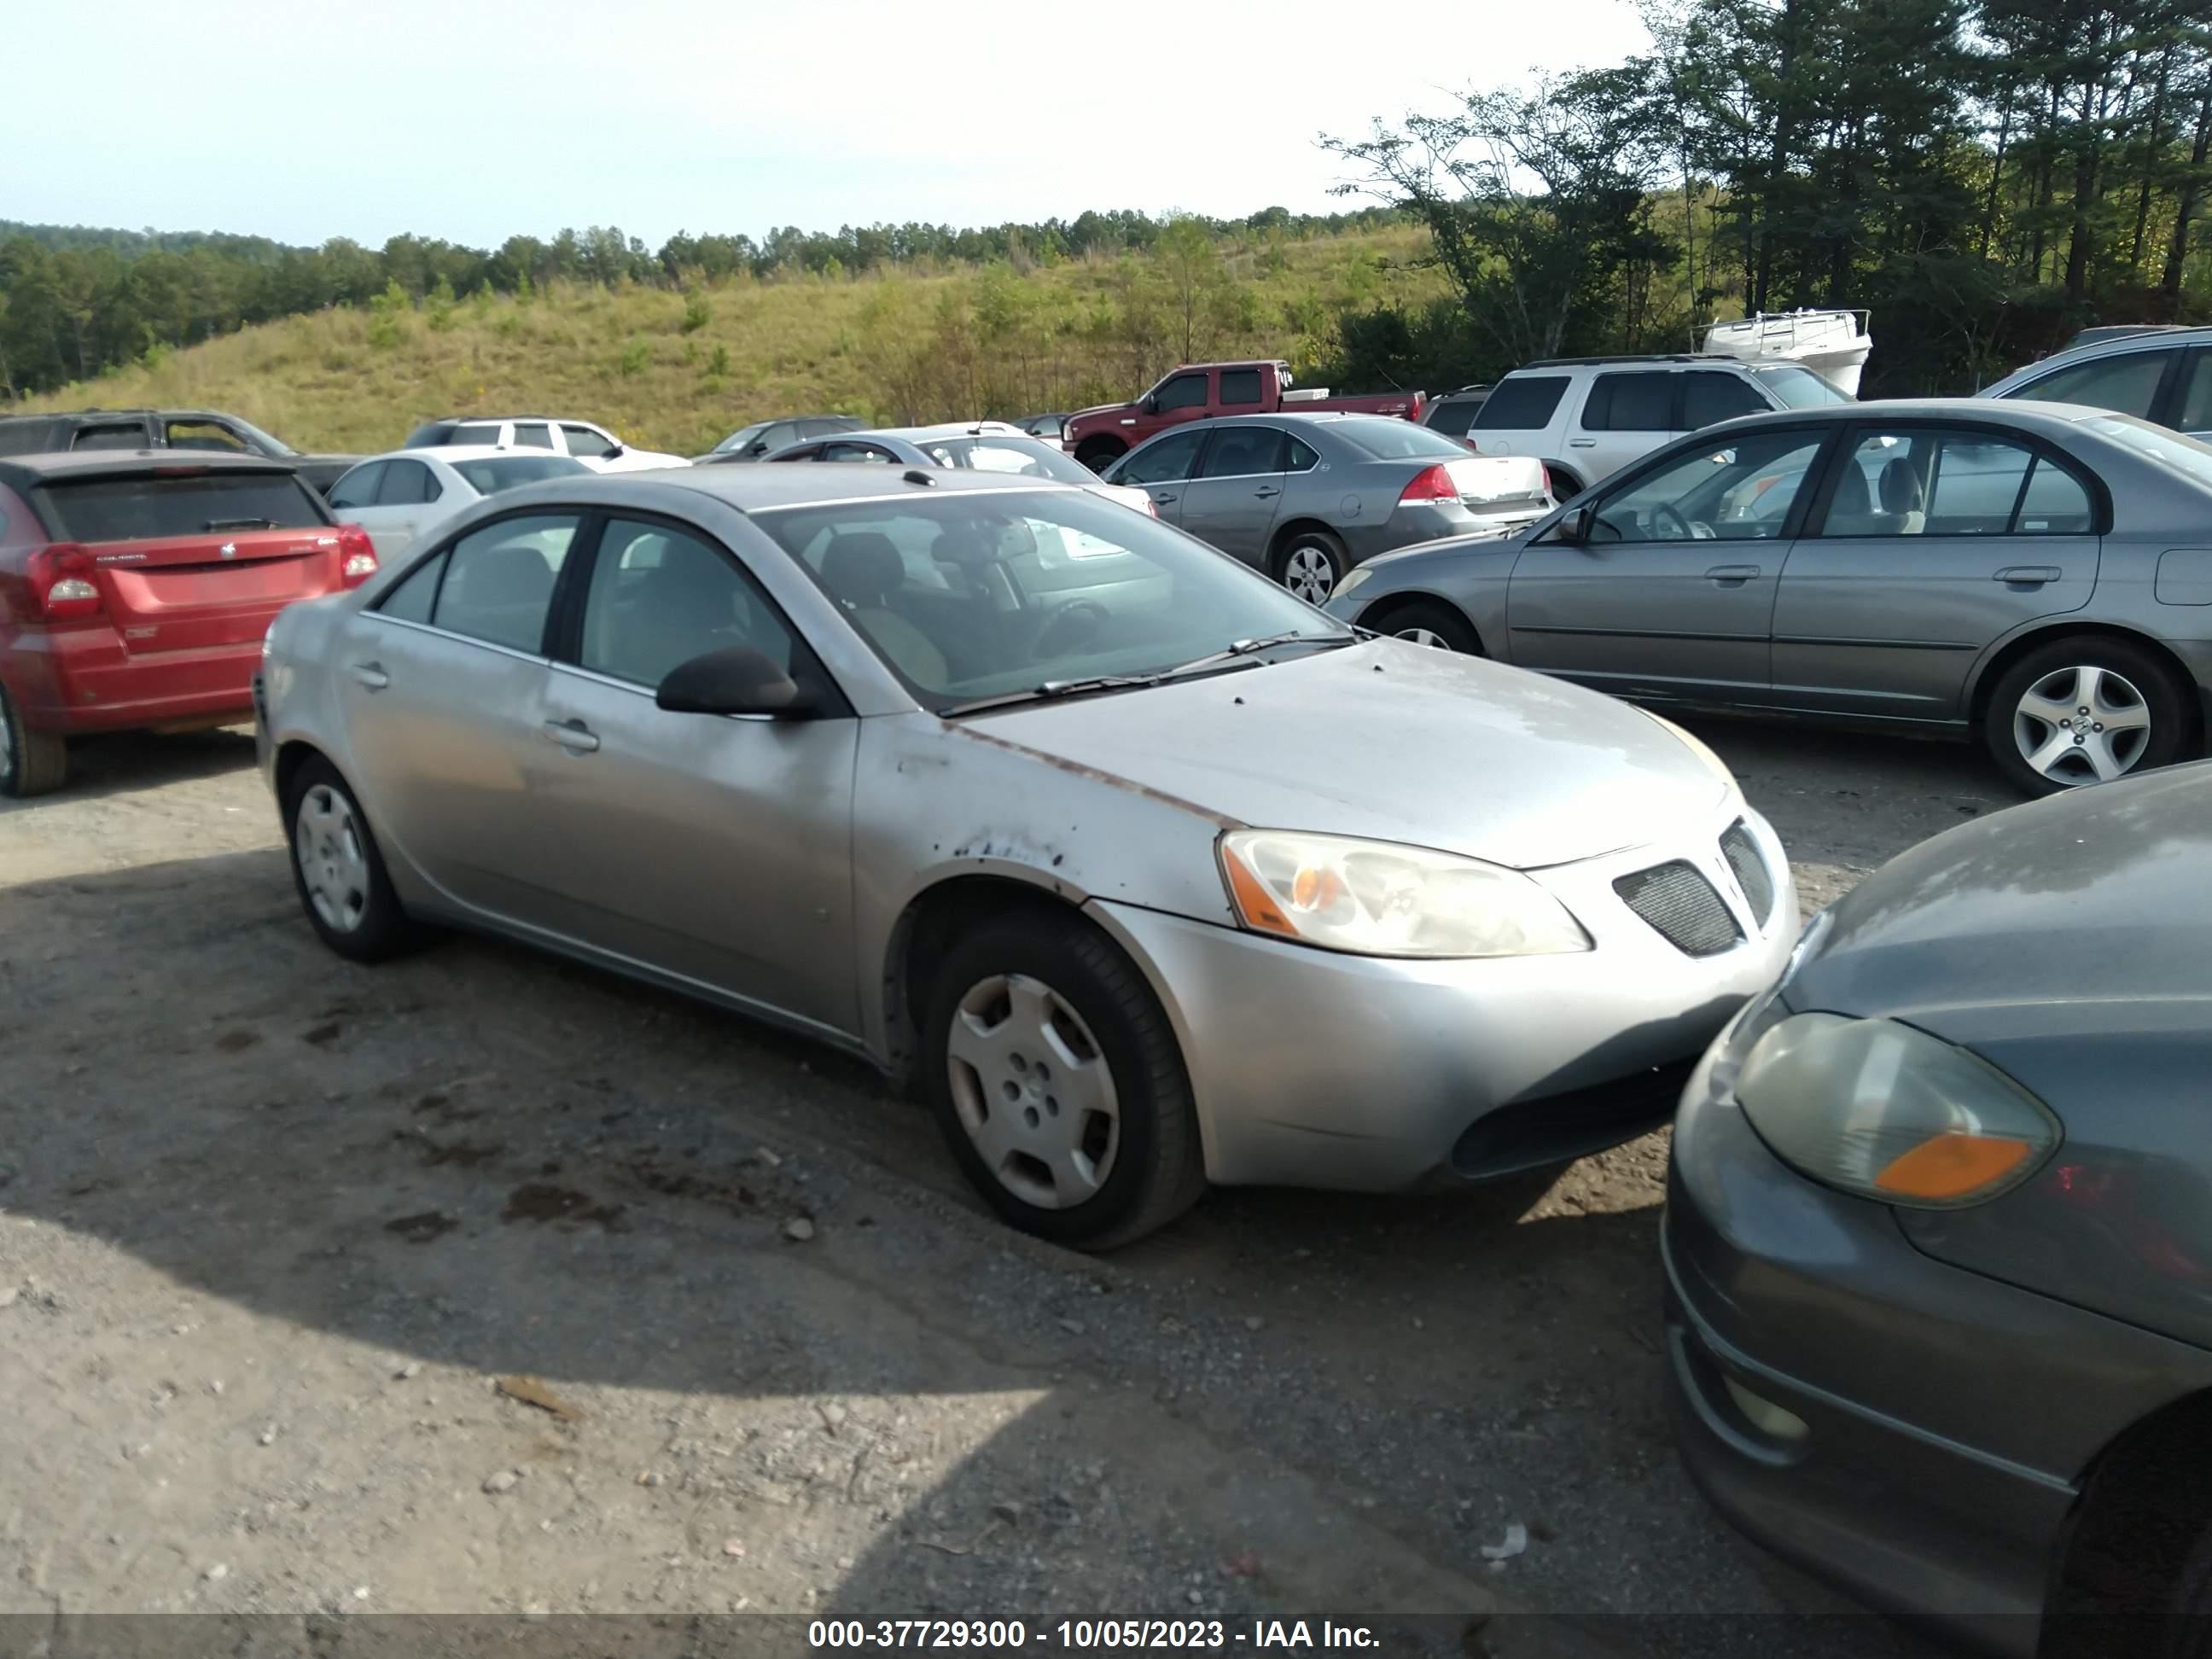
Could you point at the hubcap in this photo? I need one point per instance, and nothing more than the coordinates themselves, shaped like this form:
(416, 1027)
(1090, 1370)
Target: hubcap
(327, 844)
(2081, 726)
(1033, 1091)
(1309, 572)
(1427, 636)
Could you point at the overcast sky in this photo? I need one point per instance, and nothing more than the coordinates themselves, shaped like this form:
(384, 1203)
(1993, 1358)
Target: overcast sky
(473, 119)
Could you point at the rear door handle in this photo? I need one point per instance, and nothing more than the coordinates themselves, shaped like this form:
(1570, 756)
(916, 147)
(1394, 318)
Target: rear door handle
(1732, 575)
(2033, 574)
(1264, 493)
(1582, 443)
(572, 735)
(372, 675)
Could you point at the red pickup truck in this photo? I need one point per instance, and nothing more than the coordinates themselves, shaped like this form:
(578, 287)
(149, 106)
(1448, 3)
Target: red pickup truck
(1096, 437)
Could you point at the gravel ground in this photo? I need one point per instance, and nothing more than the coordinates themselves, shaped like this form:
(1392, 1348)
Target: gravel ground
(482, 1283)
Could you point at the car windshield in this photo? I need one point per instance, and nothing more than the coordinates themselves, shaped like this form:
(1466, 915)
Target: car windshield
(1022, 458)
(979, 594)
(741, 437)
(2186, 456)
(1386, 440)
(490, 475)
(1799, 387)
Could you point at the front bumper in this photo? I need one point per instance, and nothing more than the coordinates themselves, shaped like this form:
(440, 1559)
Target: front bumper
(1314, 1068)
(1947, 1417)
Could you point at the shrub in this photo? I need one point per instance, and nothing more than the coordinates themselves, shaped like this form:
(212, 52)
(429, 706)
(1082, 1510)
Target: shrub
(717, 361)
(697, 313)
(635, 356)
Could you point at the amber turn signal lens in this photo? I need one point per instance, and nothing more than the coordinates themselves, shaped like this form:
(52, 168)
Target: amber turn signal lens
(1256, 904)
(1952, 1166)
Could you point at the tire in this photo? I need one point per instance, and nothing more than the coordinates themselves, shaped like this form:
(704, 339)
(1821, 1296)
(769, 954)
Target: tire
(1564, 485)
(1310, 563)
(2028, 727)
(1430, 622)
(349, 898)
(2189, 1624)
(1098, 456)
(31, 762)
(1119, 1158)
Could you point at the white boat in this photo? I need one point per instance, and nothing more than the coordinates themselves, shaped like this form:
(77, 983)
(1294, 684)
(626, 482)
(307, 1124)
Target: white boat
(1833, 345)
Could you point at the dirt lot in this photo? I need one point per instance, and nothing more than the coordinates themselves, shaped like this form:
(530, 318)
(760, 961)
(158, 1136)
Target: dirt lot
(275, 1227)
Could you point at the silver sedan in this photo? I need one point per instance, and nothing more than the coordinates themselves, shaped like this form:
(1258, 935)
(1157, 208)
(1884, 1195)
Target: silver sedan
(1148, 873)
(2034, 576)
(1307, 497)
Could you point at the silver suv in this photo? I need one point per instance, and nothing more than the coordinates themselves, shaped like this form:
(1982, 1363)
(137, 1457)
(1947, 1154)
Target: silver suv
(2164, 376)
(1587, 417)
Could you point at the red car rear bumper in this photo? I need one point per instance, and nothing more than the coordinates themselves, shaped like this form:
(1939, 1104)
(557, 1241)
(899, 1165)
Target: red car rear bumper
(68, 681)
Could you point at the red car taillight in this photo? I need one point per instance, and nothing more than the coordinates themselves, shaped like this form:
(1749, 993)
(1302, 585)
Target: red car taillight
(62, 584)
(356, 556)
(1430, 484)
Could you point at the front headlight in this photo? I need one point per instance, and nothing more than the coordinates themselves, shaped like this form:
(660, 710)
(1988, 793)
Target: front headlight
(1352, 580)
(1882, 1111)
(1380, 899)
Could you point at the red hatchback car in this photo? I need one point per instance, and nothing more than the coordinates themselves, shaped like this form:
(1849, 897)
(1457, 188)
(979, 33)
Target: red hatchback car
(136, 588)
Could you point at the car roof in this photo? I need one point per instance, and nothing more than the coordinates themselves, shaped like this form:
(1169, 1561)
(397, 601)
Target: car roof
(452, 453)
(28, 470)
(94, 412)
(1706, 357)
(763, 487)
(457, 420)
(2164, 339)
(2027, 414)
(945, 429)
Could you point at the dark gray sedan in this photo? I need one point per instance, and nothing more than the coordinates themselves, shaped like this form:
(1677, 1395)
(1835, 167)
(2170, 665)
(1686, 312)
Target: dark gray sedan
(2037, 575)
(1938, 1236)
(1306, 497)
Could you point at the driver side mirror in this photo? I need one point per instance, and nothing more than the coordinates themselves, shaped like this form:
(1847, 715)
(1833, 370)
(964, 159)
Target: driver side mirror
(1574, 528)
(614, 453)
(760, 447)
(738, 680)
(1152, 404)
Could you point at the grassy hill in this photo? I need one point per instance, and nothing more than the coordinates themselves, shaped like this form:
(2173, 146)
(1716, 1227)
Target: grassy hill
(677, 371)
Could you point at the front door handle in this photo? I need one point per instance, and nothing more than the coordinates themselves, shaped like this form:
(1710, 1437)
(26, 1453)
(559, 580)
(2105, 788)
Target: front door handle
(2034, 575)
(372, 675)
(1264, 493)
(1732, 575)
(1164, 501)
(1582, 443)
(572, 735)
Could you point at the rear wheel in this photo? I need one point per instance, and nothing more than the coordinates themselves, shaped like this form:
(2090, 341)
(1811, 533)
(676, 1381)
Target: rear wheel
(1057, 1082)
(2085, 710)
(338, 871)
(31, 762)
(1426, 622)
(1564, 485)
(1310, 563)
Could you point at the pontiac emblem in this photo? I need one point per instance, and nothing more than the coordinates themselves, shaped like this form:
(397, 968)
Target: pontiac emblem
(229, 549)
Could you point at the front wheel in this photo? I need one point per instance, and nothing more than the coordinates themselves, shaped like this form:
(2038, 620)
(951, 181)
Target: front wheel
(338, 871)
(1057, 1082)
(1310, 564)
(1100, 456)
(2084, 711)
(1439, 626)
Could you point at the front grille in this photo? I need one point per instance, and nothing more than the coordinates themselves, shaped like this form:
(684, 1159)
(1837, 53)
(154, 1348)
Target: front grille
(1683, 906)
(1751, 872)
(1531, 1134)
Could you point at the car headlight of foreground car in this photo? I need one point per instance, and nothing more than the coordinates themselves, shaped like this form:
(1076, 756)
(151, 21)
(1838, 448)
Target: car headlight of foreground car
(1878, 1109)
(1381, 899)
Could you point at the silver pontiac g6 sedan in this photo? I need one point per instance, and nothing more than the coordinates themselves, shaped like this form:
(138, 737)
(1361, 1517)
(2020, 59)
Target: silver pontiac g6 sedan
(1147, 872)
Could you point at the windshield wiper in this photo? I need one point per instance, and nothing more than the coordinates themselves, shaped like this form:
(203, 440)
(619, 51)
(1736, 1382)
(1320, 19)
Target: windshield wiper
(1237, 653)
(240, 523)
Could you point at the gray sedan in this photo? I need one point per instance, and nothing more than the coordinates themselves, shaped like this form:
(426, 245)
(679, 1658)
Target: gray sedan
(1938, 1237)
(1149, 874)
(1306, 497)
(2034, 575)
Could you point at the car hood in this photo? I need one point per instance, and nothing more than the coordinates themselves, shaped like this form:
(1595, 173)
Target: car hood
(2102, 894)
(1397, 743)
(1101, 409)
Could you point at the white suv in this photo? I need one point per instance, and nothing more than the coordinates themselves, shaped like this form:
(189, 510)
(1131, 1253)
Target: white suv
(1585, 417)
(594, 445)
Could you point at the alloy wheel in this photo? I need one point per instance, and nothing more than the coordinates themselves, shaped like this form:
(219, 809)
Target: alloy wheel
(333, 863)
(1033, 1090)
(2082, 726)
(1309, 572)
(1427, 636)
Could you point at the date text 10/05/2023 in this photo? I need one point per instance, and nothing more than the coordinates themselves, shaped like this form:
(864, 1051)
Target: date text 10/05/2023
(1085, 1633)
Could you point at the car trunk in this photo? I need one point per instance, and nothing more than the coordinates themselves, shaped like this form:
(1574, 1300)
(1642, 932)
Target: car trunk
(1500, 486)
(189, 559)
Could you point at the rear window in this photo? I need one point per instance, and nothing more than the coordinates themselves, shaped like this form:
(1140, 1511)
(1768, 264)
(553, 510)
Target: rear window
(488, 477)
(144, 506)
(1397, 440)
(1454, 418)
(1521, 403)
(1021, 458)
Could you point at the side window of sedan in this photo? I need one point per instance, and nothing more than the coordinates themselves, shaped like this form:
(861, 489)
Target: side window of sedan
(358, 487)
(417, 593)
(499, 579)
(407, 484)
(660, 596)
(1742, 493)
(1162, 461)
(2126, 383)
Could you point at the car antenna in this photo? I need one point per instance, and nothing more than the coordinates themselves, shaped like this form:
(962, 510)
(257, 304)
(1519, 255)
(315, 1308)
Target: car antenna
(915, 475)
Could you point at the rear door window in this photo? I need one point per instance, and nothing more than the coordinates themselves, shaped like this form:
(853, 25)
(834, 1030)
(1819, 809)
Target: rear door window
(1239, 451)
(406, 483)
(1639, 401)
(499, 579)
(1240, 385)
(142, 507)
(1522, 403)
(2195, 410)
(358, 487)
(2126, 383)
(533, 434)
